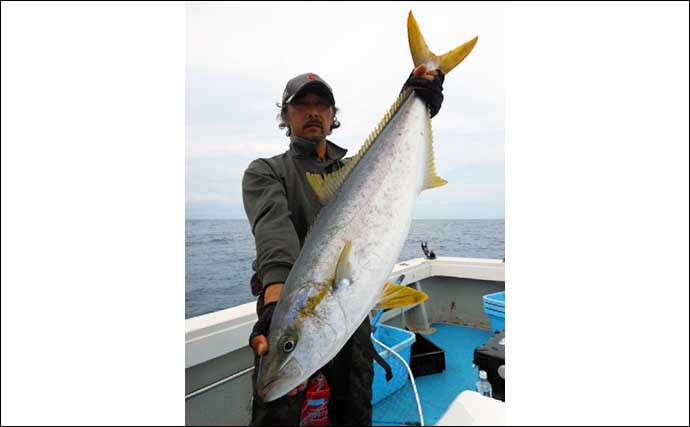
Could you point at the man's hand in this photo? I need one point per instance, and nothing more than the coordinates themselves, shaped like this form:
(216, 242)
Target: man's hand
(428, 85)
(257, 339)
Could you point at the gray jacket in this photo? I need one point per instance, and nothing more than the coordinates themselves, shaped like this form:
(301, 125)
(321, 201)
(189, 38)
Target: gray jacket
(280, 205)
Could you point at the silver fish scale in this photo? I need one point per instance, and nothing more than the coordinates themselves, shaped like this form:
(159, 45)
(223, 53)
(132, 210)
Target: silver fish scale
(373, 209)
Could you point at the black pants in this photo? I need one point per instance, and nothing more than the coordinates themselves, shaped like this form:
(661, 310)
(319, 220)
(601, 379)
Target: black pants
(350, 375)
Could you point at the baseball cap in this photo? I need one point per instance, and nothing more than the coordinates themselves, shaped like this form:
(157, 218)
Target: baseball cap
(301, 82)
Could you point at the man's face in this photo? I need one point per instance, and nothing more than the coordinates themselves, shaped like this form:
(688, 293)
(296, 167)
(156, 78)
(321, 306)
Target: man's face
(310, 115)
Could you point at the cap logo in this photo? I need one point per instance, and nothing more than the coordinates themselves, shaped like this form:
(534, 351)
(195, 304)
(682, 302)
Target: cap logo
(311, 77)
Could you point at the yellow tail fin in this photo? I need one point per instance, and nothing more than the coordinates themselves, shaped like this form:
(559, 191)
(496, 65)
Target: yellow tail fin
(395, 296)
(422, 55)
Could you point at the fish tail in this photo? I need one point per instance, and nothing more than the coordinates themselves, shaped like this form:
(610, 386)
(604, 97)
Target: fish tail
(421, 54)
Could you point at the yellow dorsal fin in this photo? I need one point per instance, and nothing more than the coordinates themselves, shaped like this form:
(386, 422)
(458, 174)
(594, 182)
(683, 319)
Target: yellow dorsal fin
(431, 179)
(395, 296)
(326, 186)
(421, 54)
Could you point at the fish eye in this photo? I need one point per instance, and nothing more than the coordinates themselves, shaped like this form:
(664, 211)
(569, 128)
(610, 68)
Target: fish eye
(287, 343)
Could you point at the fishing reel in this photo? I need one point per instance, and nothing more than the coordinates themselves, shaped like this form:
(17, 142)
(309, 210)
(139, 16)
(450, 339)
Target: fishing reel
(428, 253)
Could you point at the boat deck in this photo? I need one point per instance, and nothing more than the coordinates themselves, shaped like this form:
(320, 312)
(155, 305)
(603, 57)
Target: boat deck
(438, 391)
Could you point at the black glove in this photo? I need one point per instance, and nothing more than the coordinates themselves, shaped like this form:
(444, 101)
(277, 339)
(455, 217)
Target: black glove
(264, 323)
(430, 91)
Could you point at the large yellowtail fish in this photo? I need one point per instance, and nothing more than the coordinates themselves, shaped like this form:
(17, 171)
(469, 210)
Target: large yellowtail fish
(341, 272)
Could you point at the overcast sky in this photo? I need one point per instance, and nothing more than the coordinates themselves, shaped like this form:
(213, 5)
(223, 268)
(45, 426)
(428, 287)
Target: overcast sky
(239, 58)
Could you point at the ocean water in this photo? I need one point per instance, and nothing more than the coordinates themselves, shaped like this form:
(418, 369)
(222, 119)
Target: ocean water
(219, 254)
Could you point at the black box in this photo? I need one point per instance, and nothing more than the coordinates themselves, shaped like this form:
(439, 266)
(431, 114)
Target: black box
(489, 358)
(426, 358)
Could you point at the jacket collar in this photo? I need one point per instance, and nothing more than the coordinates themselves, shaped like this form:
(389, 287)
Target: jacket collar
(306, 149)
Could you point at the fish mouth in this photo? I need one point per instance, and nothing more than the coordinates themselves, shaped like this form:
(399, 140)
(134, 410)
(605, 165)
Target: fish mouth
(273, 390)
(264, 388)
(265, 391)
(279, 385)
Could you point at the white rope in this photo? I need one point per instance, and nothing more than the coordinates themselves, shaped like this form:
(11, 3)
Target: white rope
(409, 372)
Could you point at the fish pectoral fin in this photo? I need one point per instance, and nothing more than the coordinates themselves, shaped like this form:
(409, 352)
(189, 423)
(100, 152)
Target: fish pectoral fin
(343, 270)
(395, 296)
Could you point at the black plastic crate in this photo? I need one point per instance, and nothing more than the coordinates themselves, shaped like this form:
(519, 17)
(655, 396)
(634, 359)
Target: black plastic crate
(426, 357)
(489, 357)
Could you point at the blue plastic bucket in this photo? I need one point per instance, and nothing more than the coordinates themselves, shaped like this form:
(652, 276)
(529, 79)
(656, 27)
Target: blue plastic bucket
(495, 301)
(497, 319)
(495, 307)
(400, 341)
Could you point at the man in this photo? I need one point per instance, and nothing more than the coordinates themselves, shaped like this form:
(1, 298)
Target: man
(281, 207)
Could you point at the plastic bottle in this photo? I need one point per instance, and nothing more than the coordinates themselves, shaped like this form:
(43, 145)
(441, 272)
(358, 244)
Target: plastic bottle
(315, 406)
(483, 385)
